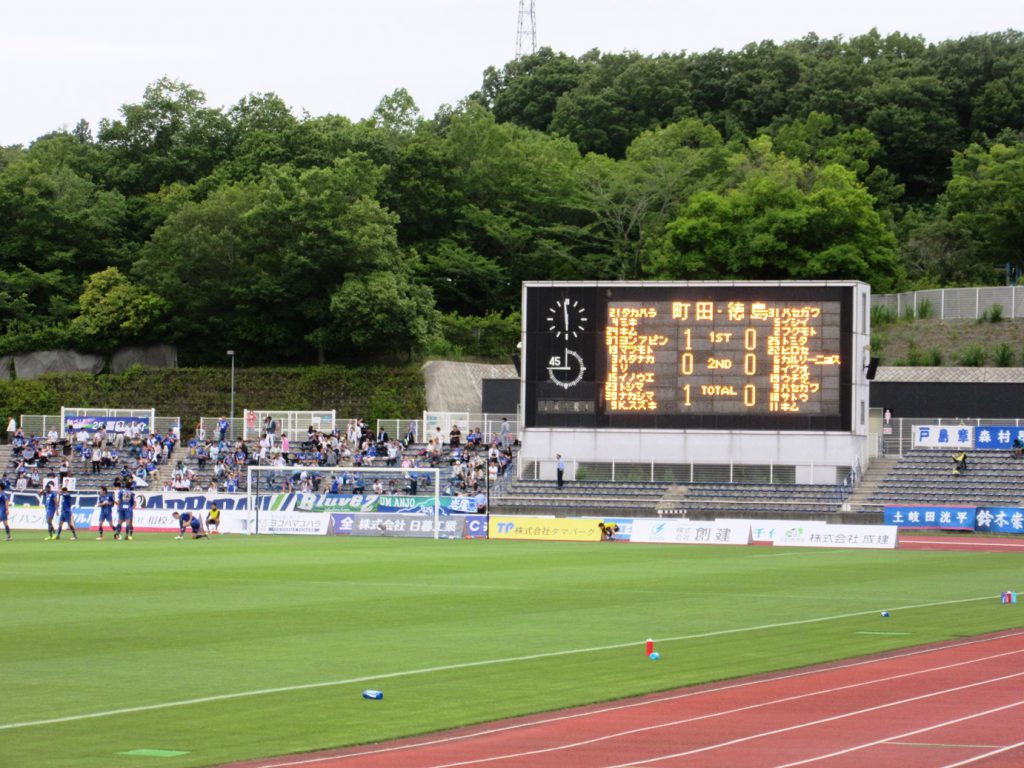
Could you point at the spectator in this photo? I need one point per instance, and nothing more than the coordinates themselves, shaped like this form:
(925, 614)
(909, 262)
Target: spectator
(12, 427)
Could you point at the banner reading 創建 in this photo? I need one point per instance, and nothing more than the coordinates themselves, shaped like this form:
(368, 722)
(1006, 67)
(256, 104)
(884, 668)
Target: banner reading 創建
(657, 531)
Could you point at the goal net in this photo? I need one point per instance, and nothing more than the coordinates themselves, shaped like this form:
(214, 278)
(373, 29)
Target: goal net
(315, 500)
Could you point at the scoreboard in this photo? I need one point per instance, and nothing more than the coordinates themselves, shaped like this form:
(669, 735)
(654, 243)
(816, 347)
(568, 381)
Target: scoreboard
(771, 356)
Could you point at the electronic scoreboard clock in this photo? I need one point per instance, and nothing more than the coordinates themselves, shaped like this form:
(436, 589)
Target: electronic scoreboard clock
(689, 355)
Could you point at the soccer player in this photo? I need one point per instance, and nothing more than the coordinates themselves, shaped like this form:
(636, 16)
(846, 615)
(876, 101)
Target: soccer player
(66, 501)
(193, 521)
(50, 505)
(5, 504)
(125, 512)
(106, 504)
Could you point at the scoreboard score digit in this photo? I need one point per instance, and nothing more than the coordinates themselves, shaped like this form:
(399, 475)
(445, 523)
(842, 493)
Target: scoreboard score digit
(713, 355)
(729, 357)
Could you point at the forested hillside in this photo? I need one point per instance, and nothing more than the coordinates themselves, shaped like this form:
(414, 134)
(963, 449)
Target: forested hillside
(297, 238)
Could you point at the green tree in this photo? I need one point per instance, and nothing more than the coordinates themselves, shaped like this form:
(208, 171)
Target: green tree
(170, 136)
(113, 312)
(984, 203)
(781, 219)
(383, 313)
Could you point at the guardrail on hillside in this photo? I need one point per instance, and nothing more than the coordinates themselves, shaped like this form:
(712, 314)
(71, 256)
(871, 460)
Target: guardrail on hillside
(956, 303)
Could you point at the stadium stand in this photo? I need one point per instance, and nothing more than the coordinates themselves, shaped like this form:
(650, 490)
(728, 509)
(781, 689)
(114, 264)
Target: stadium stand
(922, 476)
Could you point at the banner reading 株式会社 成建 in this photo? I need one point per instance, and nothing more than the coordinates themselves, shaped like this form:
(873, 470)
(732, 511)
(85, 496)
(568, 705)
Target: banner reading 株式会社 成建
(847, 537)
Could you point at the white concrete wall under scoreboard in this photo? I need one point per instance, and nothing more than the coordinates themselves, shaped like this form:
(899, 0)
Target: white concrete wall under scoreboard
(815, 454)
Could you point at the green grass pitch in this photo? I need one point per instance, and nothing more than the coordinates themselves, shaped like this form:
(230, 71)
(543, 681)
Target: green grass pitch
(239, 647)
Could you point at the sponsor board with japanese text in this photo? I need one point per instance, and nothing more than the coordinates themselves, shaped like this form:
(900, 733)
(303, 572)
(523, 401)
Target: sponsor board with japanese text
(543, 528)
(1000, 520)
(998, 438)
(954, 518)
(658, 531)
(775, 531)
(959, 437)
(847, 537)
(398, 525)
(293, 523)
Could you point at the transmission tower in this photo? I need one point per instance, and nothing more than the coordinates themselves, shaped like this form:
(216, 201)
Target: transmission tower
(526, 29)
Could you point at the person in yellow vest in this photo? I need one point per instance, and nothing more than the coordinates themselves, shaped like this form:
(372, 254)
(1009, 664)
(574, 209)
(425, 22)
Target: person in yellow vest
(213, 520)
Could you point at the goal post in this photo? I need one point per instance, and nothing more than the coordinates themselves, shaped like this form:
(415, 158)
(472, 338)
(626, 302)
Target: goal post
(306, 498)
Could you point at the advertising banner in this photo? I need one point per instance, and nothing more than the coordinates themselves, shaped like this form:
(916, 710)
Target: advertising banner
(476, 527)
(294, 523)
(399, 525)
(113, 424)
(948, 518)
(947, 437)
(655, 531)
(999, 438)
(1000, 520)
(847, 537)
(775, 531)
(330, 502)
(543, 528)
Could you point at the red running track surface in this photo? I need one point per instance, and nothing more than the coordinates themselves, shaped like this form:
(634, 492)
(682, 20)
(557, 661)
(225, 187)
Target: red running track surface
(954, 704)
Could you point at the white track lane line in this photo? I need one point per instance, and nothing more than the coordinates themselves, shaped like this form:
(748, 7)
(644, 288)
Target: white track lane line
(993, 753)
(834, 718)
(955, 721)
(687, 694)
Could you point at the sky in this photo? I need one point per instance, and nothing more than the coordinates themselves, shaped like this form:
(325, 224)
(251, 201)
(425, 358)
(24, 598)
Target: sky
(61, 61)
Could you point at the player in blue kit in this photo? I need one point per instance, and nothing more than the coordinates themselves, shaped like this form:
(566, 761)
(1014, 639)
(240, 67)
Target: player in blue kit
(50, 505)
(5, 505)
(106, 504)
(193, 521)
(66, 515)
(125, 512)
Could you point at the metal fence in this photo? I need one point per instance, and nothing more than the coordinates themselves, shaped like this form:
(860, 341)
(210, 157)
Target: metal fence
(955, 303)
(652, 472)
(489, 424)
(38, 425)
(898, 435)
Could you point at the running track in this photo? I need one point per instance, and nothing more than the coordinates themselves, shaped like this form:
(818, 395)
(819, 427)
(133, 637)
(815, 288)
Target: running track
(941, 706)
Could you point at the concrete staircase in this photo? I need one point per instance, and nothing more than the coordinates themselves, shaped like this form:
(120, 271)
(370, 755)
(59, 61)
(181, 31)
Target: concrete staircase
(858, 501)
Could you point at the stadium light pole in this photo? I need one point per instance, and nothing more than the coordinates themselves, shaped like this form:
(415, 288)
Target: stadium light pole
(231, 414)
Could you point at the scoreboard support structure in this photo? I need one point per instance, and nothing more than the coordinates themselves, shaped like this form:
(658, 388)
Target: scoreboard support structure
(708, 372)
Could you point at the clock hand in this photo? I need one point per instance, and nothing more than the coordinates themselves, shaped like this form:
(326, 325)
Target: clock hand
(565, 311)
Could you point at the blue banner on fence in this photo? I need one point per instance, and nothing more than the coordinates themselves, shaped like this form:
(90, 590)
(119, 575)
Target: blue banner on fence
(1000, 519)
(997, 438)
(73, 422)
(476, 527)
(948, 518)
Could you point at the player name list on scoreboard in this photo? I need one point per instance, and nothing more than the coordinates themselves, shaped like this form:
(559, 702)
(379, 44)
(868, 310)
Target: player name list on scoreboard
(722, 357)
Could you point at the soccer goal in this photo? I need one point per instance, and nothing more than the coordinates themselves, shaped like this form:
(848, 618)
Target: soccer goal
(315, 500)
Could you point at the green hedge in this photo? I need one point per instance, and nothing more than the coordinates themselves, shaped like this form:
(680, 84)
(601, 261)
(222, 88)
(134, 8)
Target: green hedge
(372, 392)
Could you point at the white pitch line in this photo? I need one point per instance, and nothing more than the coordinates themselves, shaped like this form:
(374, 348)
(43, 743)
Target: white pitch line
(465, 665)
(653, 701)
